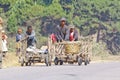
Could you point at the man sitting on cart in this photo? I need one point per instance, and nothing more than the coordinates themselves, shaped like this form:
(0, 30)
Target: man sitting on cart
(61, 30)
(30, 34)
(71, 34)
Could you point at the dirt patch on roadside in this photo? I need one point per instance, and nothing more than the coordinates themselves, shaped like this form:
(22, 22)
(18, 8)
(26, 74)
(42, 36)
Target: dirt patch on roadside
(10, 60)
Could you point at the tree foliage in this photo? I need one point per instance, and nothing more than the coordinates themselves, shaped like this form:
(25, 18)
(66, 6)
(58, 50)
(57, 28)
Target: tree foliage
(90, 16)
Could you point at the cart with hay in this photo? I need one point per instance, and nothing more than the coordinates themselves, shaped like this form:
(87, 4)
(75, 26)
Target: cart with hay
(70, 52)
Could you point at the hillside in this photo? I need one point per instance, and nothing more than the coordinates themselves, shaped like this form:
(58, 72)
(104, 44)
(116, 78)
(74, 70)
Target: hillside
(100, 17)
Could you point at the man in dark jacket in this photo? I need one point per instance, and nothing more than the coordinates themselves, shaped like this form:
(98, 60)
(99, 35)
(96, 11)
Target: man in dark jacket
(30, 34)
(61, 30)
(71, 34)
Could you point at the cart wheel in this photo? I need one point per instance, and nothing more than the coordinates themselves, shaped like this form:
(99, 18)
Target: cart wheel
(49, 63)
(61, 62)
(21, 60)
(79, 61)
(86, 61)
(46, 61)
(29, 64)
(56, 61)
(22, 64)
(89, 61)
(26, 63)
(30, 61)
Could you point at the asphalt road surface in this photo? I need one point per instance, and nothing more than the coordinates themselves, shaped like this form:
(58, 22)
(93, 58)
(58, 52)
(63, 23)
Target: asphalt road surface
(93, 71)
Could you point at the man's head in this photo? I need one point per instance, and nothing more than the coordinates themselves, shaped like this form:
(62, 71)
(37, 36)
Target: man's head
(29, 29)
(72, 27)
(62, 21)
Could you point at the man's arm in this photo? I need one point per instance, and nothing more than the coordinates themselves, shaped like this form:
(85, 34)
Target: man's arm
(58, 35)
(32, 35)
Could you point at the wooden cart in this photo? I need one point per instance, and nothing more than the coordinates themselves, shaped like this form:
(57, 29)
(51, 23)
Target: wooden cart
(70, 52)
(28, 57)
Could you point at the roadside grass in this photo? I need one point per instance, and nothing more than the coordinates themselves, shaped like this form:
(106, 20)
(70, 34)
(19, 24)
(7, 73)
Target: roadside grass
(101, 53)
(11, 60)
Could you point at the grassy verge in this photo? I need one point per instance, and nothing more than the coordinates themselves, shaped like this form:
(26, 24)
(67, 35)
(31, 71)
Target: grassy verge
(100, 53)
(10, 60)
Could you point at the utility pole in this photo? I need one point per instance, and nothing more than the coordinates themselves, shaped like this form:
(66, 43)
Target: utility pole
(1, 24)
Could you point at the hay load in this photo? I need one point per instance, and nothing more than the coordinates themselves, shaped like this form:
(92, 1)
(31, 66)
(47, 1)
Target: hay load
(72, 48)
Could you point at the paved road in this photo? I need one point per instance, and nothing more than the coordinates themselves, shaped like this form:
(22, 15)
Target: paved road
(93, 71)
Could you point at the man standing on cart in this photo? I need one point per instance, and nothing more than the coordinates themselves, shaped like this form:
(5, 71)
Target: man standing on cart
(30, 34)
(61, 30)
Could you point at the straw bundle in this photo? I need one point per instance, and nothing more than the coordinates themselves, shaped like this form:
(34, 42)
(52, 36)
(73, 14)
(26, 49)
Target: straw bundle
(72, 48)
